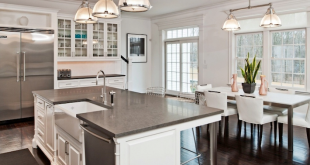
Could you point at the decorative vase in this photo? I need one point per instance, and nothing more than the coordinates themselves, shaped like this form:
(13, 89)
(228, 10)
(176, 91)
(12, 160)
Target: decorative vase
(248, 88)
(264, 86)
(234, 87)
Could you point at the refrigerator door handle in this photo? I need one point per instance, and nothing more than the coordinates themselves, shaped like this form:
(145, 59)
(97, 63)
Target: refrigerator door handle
(24, 66)
(17, 64)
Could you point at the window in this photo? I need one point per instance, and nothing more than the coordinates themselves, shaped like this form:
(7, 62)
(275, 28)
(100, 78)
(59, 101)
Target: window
(182, 66)
(183, 32)
(288, 58)
(248, 43)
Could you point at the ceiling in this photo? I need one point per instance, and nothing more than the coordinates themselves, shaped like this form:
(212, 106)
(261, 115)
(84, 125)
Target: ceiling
(161, 7)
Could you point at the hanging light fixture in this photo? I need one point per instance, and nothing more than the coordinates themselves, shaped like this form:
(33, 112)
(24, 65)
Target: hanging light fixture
(105, 9)
(231, 23)
(134, 5)
(270, 19)
(84, 14)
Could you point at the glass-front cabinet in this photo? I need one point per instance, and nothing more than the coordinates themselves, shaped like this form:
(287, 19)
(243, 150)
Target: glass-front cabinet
(88, 42)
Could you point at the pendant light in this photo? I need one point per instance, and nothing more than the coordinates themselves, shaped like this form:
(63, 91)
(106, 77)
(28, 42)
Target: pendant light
(105, 9)
(270, 19)
(84, 14)
(231, 23)
(134, 5)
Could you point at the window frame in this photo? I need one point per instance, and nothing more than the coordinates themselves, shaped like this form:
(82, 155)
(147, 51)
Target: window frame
(181, 64)
(181, 28)
(267, 55)
(272, 58)
(235, 58)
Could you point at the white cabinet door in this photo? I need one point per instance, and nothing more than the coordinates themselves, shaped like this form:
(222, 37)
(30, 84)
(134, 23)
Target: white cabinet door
(163, 150)
(49, 131)
(74, 156)
(62, 150)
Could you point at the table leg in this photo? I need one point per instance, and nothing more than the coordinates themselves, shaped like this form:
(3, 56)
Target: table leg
(213, 143)
(290, 129)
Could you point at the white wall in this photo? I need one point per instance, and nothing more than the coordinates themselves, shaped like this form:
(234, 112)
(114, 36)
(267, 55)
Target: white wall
(141, 72)
(216, 42)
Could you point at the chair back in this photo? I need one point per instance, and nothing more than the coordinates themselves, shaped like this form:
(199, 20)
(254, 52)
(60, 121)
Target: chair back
(250, 109)
(157, 91)
(187, 95)
(216, 100)
(281, 90)
(204, 87)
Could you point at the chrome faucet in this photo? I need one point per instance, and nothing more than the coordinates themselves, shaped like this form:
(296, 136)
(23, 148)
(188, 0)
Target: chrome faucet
(103, 90)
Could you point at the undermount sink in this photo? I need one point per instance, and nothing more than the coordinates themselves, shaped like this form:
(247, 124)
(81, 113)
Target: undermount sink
(65, 116)
(75, 108)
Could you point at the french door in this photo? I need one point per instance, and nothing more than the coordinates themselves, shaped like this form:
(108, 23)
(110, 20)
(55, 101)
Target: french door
(181, 66)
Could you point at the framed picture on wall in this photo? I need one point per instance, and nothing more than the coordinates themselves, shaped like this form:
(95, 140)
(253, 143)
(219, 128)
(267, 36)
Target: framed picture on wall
(137, 48)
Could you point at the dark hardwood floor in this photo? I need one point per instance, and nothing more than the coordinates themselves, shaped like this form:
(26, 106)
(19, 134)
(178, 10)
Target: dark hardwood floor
(231, 149)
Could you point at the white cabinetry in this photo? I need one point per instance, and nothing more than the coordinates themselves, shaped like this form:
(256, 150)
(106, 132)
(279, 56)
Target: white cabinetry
(88, 42)
(67, 151)
(114, 82)
(44, 127)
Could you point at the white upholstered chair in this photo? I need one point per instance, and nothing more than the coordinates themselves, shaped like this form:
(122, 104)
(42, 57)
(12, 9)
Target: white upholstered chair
(299, 119)
(250, 110)
(218, 100)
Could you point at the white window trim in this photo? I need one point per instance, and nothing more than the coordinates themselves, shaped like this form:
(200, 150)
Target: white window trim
(180, 41)
(267, 39)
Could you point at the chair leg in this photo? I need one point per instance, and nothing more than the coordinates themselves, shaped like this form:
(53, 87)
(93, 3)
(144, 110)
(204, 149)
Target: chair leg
(198, 130)
(252, 126)
(275, 129)
(308, 136)
(261, 135)
(226, 130)
(270, 124)
(244, 125)
(280, 132)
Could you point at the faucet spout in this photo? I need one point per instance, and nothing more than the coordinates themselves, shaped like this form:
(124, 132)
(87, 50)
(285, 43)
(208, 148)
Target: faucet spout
(104, 95)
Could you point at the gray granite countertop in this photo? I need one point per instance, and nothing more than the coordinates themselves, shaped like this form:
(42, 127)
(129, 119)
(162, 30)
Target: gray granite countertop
(132, 113)
(90, 76)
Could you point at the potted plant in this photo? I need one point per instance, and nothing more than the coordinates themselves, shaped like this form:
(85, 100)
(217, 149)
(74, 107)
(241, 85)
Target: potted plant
(249, 74)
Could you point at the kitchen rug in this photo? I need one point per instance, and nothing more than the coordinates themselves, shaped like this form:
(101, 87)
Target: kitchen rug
(20, 157)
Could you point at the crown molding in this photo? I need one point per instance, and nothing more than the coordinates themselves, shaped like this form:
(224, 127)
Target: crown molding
(240, 3)
(72, 2)
(32, 9)
(135, 17)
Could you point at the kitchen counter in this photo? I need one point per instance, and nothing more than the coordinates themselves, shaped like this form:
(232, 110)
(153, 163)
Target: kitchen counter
(132, 113)
(91, 76)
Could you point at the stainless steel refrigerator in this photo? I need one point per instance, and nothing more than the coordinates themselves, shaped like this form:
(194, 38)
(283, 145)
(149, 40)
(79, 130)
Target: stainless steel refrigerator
(26, 65)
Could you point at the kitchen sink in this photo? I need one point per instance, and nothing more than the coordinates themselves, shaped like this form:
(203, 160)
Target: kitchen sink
(65, 116)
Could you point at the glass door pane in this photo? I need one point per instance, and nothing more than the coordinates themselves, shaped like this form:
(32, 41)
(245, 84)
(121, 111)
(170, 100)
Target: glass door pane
(189, 66)
(64, 38)
(173, 66)
(98, 40)
(80, 40)
(112, 40)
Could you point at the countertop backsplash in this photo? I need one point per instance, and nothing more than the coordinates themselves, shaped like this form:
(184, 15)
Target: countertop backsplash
(90, 68)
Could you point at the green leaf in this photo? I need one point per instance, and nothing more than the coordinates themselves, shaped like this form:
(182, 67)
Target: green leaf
(250, 70)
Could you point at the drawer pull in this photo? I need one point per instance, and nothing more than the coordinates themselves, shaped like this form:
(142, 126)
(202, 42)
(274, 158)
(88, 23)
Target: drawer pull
(69, 84)
(116, 80)
(39, 134)
(40, 117)
(40, 103)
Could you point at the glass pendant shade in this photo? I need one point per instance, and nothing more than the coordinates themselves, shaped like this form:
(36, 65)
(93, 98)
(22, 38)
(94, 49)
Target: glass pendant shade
(231, 23)
(84, 14)
(134, 5)
(105, 9)
(270, 19)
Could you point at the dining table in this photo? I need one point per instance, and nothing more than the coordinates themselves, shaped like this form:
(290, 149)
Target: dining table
(282, 100)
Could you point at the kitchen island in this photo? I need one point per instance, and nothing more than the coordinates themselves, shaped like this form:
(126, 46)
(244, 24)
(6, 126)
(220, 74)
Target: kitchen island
(139, 129)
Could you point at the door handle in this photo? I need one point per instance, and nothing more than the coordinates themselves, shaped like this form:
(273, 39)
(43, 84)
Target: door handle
(97, 136)
(17, 64)
(24, 66)
(66, 144)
